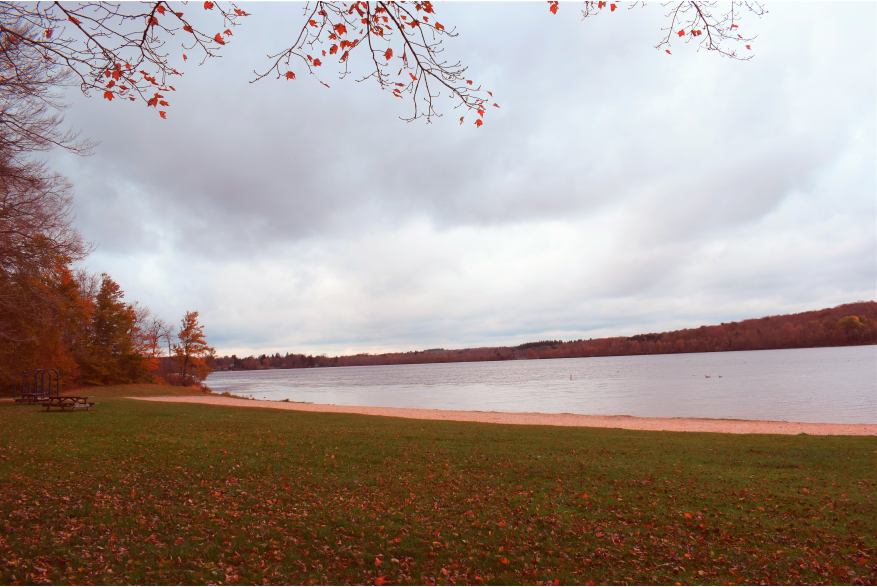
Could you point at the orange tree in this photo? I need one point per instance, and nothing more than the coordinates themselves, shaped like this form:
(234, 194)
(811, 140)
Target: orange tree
(113, 353)
(122, 51)
(192, 351)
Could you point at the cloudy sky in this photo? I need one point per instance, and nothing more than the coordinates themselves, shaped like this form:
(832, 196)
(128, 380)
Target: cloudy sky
(618, 189)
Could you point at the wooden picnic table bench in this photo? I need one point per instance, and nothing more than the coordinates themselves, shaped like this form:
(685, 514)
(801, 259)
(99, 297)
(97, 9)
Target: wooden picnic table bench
(67, 402)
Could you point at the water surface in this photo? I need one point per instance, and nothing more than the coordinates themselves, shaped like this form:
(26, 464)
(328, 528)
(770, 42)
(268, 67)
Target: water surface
(836, 385)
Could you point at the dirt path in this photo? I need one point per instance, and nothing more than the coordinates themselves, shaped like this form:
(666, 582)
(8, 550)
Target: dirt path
(625, 422)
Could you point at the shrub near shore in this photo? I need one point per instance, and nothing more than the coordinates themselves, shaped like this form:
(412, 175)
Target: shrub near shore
(144, 492)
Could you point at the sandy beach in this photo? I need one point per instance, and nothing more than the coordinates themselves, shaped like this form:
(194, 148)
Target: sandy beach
(623, 422)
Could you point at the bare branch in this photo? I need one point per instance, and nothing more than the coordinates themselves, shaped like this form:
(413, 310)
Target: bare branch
(699, 21)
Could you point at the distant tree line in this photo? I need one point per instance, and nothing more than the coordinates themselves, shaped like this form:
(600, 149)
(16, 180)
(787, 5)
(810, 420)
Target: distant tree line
(845, 325)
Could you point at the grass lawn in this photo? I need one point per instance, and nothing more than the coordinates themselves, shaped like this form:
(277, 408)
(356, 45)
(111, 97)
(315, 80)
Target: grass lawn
(145, 492)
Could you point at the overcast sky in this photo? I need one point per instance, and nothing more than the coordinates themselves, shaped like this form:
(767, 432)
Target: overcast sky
(617, 190)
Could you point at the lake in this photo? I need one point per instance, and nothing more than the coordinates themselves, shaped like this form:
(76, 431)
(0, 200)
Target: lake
(835, 385)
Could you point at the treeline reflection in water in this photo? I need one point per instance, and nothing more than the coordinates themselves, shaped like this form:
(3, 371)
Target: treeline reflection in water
(837, 385)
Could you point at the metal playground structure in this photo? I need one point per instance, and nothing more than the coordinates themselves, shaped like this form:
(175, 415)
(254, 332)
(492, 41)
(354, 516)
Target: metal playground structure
(37, 385)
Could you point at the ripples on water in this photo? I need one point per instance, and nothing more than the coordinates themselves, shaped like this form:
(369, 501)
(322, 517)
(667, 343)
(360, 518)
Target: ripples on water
(837, 385)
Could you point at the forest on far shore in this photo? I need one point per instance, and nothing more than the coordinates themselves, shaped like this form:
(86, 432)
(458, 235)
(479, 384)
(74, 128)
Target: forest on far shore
(844, 325)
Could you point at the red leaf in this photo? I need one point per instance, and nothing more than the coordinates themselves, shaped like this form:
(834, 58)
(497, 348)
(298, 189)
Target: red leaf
(748, 47)
(496, 105)
(187, 28)
(152, 21)
(152, 102)
(49, 33)
(734, 26)
(552, 6)
(317, 63)
(184, 57)
(481, 113)
(312, 23)
(160, 9)
(111, 84)
(401, 85)
(333, 49)
(290, 75)
(439, 27)
(179, 14)
(340, 29)
(109, 96)
(612, 8)
(479, 123)
(325, 84)
(163, 103)
(461, 119)
(600, 5)
(681, 33)
(227, 33)
(345, 56)
(73, 20)
(218, 39)
(208, 5)
(324, 53)
(668, 51)
(388, 54)
(172, 88)
(412, 76)
(491, 95)
(117, 74)
(162, 113)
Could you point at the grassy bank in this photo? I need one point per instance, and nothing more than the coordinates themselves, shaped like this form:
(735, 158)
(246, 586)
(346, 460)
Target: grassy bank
(143, 492)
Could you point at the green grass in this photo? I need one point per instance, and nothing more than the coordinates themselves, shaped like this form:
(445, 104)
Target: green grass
(147, 492)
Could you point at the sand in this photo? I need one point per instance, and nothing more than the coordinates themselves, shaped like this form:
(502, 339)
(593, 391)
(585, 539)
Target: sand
(623, 422)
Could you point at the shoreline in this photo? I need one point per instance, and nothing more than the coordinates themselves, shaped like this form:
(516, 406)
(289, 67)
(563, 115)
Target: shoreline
(541, 419)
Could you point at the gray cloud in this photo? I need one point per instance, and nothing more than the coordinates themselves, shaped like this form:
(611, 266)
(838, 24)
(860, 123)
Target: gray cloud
(616, 189)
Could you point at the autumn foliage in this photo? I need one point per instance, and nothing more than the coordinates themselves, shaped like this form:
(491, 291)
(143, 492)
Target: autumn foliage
(848, 324)
(81, 325)
(135, 51)
(53, 315)
(192, 351)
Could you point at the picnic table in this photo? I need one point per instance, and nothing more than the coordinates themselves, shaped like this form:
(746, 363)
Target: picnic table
(67, 402)
(31, 398)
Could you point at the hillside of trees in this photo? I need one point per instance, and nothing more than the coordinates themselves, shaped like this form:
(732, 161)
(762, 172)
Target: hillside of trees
(844, 325)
